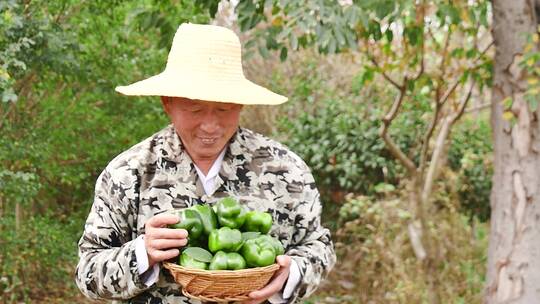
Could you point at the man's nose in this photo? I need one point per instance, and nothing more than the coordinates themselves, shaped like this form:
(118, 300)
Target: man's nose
(210, 123)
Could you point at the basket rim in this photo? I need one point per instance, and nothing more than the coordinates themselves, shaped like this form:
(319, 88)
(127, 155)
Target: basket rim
(194, 271)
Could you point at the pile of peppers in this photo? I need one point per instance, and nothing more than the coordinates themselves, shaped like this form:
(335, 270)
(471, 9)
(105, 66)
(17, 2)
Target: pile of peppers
(227, 237)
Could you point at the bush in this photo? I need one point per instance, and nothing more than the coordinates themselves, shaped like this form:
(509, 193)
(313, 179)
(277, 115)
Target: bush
(377, 263)
(62, 122)
(36, 260)
(470, 155)
(341, 143)
(339, 139)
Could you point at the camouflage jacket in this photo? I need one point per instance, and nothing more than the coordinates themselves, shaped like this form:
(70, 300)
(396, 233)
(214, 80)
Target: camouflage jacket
(158, 175)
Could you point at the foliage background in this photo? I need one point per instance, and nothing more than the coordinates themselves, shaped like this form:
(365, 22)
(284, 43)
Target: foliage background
(61, 122)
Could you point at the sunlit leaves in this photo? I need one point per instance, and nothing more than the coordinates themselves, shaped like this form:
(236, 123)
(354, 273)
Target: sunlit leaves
(529, 62)
(164, 17)
(298, 24)
(252, 14)
(363, 78)
(61, 63)
(448, 14)
(402, 36)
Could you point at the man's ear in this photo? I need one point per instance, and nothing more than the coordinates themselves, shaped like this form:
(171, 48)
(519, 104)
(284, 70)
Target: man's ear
(165, 102)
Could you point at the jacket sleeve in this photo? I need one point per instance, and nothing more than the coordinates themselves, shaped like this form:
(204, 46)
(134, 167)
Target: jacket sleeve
(107, 267)
(311, 246)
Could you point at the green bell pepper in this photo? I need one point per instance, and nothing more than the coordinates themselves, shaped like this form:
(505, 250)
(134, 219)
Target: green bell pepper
(227, 261)
(258, 221)
(225, 239)
(200, 242)
(230, 213)
(191, 221)
(208, 217)
(189, 262)
(259, 252)
(278, 247)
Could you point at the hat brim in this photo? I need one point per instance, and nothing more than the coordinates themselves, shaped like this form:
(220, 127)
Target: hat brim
(239, 91)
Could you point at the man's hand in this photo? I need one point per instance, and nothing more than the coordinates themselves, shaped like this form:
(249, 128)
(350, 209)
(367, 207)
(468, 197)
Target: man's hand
(161, 243)
(275, 284)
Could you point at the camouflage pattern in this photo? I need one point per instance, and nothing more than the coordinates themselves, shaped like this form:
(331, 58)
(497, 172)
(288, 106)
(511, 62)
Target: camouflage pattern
(158, 175)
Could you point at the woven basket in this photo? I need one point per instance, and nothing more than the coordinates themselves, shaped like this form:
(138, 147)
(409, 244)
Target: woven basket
(220, 285)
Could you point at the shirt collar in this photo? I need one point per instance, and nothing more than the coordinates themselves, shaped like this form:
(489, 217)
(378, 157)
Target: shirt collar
(214, 170)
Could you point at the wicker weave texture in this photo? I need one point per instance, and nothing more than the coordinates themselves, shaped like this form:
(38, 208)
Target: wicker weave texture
(221, 285)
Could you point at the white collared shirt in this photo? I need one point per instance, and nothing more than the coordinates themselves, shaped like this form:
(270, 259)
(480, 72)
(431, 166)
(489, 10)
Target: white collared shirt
(209, 181)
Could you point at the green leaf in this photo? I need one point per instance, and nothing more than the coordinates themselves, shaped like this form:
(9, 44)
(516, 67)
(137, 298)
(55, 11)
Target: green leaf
(404, 214)
(458, 53)
(389, 35)
(384, 8)
(283, 54)
(384, 188)
(414, 34)
(251, 43)
(508, 115)
(351, 40)
(339, 36)
(375, 30)
(507, 102)
(365, 76)
(332, 46)
(199, 254)
(533, 102)
(264, 52)
(294, 42)
(471, 53)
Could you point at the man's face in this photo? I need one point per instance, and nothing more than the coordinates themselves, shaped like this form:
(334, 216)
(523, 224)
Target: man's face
(204, 127)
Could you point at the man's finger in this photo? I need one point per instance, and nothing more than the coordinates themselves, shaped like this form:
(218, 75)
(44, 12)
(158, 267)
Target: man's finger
(166, 233)
(161, 220)
(162, 255)
(167, 243)
(273, 287)
(284, 260)
(277, 282)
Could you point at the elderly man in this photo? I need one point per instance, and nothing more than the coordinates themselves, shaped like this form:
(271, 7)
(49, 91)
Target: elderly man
(201, 157)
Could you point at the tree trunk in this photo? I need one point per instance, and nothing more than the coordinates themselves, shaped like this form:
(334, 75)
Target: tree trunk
(422, 240)
(513, 274)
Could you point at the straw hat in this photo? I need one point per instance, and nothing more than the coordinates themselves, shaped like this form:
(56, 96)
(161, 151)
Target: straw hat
(205, 63)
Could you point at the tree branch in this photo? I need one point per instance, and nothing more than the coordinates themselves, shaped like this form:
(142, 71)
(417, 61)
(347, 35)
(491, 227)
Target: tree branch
(387, 120)
(433, 124)
(437, 151)
(484, 51)
(427, 138)
(464, 102)
(423, 46)
(439, 145)
(442, 67)
(479, 107)
(456, 82)
(449, 92)
(421, 71)
(396, 105)
(386, 76)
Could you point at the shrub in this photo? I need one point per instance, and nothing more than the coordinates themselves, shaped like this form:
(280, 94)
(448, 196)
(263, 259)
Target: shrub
(377, 262)
(341, 143)
(470, 155)
(37, 260)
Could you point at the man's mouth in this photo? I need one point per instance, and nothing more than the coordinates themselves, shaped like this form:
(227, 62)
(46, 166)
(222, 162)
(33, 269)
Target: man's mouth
(208, 140)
